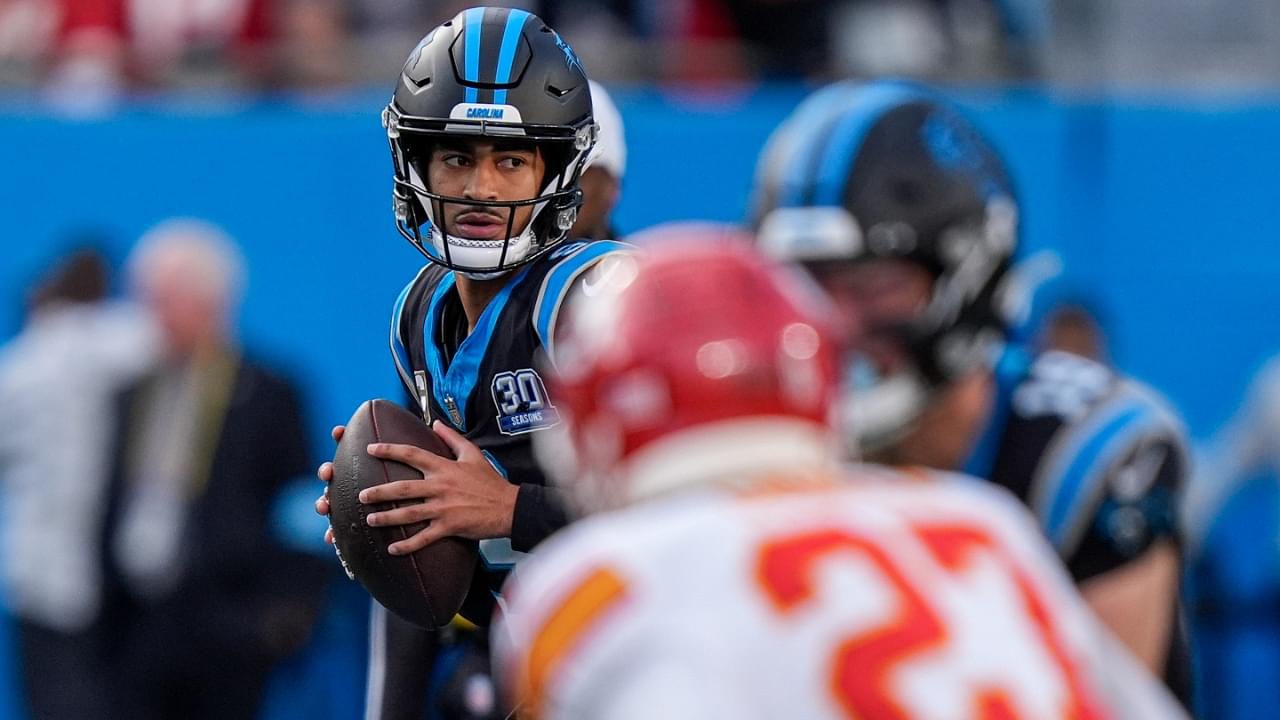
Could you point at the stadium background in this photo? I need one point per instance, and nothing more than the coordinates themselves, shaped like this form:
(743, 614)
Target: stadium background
(1158, 190)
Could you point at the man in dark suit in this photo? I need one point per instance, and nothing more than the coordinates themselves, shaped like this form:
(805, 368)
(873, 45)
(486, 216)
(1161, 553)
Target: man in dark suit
(202, 599)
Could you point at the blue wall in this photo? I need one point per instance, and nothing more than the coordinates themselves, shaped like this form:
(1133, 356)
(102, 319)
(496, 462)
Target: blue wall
(1164, 212)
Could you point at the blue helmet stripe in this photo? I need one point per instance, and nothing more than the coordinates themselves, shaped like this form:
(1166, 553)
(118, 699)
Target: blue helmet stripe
(806, 137)
(464, 372)
(870, 104)
(471, 71)
(507, 54)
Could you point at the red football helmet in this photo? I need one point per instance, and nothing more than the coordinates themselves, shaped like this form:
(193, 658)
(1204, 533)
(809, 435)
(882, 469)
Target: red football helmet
(695, 361)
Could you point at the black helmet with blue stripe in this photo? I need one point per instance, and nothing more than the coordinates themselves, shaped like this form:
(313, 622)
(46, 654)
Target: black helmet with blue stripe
(494, 73)
(892, 170)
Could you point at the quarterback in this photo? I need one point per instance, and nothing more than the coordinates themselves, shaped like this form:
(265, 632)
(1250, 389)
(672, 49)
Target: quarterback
(490, 127)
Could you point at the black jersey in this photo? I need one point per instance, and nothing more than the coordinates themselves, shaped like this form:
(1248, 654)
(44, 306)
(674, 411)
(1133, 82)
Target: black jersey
(1097, 457)
(486, 383)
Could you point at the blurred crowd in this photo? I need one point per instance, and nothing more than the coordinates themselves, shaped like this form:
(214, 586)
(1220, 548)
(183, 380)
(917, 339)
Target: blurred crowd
(88, 51)
(109, 46)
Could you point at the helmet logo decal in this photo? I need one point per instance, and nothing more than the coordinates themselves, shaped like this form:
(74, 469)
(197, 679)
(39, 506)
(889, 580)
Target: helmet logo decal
(485, 111)
(506, 117)
(416, 55)
(522, 402)
(955, 149)
(570, 57)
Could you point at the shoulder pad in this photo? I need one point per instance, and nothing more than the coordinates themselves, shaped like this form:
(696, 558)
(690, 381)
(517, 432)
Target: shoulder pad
(569, 264)
(1070, 479)
(403, 315)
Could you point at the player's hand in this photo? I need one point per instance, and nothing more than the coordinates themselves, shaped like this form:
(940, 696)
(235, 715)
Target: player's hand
(325, 473)
(466, 497)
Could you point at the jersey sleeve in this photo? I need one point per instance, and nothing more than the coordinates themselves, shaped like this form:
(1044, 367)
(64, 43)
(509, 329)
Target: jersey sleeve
(1108, 486)
(540, 510)
(570, 272)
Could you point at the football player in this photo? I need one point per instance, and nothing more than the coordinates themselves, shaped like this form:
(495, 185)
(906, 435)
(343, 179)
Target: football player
(730, 568)
(906, 215)
(490, 127)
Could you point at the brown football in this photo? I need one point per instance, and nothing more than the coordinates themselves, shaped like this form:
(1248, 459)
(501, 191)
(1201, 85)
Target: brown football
(426, 587)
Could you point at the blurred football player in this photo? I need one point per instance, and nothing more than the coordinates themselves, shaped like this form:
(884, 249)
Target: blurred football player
(731, 568)
(1231, 513)
(490, 127)
(906, 215)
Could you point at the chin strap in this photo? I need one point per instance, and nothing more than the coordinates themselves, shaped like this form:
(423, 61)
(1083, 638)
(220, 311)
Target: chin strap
(482, 276)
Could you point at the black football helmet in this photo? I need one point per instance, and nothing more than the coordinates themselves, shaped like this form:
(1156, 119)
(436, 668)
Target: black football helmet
(495, 73)
(891, 170)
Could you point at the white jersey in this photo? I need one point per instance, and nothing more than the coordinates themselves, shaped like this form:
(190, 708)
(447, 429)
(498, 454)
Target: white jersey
(892, 597)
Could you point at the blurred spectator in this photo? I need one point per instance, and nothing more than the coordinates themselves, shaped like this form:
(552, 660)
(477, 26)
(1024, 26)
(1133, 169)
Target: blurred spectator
(159, 41)
(27, 32)
(109, 45)
(384, 31)
(57, 380)
(1073, 327)
(314, 51)
(788, 39)
(203, 598)
(917, 38)
(91, 51)
(602, 180)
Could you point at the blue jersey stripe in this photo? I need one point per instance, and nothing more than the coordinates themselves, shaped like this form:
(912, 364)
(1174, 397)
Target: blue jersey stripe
(496, 465)
(558, 282)
(431, 346)
(471, 71)
(871, 103)
(805, 138)
(458, 381)
(1089, 465)
(507, 53)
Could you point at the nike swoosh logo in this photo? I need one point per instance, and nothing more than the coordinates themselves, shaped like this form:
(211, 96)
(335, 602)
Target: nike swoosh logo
(603, 273)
